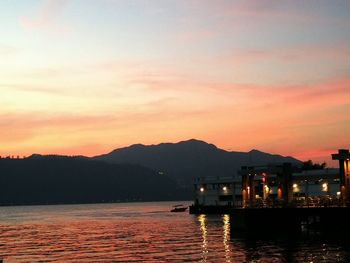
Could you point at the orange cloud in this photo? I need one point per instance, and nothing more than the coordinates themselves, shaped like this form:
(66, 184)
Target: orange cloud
(287, 119)
(172, 105)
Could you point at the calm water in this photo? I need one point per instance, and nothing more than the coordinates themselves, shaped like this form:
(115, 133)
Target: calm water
(143, 232)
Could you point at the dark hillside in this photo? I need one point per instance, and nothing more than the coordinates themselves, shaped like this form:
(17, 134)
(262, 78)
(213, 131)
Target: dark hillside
(54, 179)
(187, 160)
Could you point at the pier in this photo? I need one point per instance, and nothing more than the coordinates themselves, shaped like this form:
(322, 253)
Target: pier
(278, 198)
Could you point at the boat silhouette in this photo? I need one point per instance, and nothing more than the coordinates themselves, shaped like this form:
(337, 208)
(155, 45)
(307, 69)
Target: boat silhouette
(179, 208)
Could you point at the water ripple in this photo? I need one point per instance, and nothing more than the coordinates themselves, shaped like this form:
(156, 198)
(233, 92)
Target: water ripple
(141, 233)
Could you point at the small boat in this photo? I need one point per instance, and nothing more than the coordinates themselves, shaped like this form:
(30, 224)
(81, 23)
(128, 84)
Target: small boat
(179, 208)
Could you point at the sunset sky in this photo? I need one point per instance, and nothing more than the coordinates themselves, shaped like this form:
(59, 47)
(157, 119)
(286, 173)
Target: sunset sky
(88, 76)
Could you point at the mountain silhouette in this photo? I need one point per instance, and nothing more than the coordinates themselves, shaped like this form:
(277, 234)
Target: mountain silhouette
(136, 173)
(61, 179)
(186, 160)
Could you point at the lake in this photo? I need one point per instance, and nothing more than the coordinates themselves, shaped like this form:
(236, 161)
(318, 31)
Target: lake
(145, 232)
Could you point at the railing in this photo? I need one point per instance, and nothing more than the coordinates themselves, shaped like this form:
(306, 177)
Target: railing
(297, 202)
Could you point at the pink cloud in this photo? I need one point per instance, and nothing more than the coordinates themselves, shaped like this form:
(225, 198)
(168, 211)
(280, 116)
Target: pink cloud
(289, 93)
(336, 51)
(239, 15)
(290, 120)
(45, 16)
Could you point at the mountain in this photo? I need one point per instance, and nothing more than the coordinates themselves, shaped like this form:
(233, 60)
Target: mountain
(61, 179)
(136, 173)
(186, 160)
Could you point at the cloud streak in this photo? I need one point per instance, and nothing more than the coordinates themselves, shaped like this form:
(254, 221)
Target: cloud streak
(336, 51)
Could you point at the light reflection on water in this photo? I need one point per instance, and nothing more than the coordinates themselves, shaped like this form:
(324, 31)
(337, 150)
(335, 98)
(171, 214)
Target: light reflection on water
(201, 220)
(226, 237)
(143, 232)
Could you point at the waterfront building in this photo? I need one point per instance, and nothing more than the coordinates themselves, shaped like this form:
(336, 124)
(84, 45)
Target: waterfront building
(311, 188)
(294, 200)
(218, 191)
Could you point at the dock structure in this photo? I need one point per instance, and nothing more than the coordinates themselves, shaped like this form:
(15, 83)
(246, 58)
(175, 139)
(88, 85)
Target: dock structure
(264, 179)
(270, 186)
(278, 196)
(279, 186)
(343, 156)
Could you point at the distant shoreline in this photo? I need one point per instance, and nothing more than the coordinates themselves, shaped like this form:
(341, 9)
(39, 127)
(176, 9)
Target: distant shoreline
(94, 203)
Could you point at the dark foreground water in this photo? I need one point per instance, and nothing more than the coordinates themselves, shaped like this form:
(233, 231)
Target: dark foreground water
(145, 232)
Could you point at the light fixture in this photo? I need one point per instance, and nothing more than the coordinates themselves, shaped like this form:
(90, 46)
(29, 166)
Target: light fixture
(267, 190)
(295, 188)
(224, 188)
(201, 189)
(324, 187)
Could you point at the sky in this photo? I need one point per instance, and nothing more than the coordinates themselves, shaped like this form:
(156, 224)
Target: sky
(83, 77)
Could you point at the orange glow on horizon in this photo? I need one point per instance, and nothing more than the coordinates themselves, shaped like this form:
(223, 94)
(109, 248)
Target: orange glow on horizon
(174, 73)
